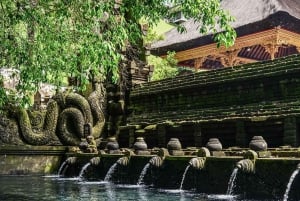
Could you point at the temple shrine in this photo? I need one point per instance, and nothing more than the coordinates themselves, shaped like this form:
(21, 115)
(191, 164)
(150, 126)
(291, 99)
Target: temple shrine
(266, 30)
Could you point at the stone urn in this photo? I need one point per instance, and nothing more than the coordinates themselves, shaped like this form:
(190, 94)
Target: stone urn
(258, 143)
(174, 144)
(112, 144)
(140, 144)
(214, 144)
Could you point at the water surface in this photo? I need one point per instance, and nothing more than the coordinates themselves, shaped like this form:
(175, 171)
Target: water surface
(53, 188)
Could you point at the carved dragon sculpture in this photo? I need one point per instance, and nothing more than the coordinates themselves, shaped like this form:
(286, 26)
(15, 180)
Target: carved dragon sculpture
(64, 120)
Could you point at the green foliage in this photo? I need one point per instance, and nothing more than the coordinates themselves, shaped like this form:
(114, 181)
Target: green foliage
(152, 36)
(47, 40)
(163, 67)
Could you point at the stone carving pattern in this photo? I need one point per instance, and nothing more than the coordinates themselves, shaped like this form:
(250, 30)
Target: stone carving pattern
(63, 121)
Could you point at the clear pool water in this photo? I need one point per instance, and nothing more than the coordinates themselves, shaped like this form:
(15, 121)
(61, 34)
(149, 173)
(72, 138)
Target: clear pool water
(52, 188)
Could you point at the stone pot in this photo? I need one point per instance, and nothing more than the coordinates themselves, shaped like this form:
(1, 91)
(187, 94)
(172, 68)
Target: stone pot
(112, 144)
(214, 144)
(140, 144)
(174, 144)
(258, 143)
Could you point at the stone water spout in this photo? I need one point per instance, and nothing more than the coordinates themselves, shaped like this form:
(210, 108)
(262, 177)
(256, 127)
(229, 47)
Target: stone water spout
(71, 160)
(124, 161)
(197, 163)
(203, 152)
(246, 165)
(95, 161)
(156, 161)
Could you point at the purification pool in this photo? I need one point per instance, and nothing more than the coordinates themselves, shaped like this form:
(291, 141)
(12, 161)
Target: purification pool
(54, 188)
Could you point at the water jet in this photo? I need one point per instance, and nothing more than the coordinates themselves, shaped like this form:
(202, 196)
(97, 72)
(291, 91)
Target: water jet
(93, 162)
(288, 187)
(197, 163)
(123, 161)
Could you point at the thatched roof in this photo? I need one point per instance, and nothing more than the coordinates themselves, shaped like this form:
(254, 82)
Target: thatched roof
(251, 16)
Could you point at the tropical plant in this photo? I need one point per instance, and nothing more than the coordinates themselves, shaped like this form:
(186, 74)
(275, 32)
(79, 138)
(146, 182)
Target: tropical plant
(163, 67)
(49, 40)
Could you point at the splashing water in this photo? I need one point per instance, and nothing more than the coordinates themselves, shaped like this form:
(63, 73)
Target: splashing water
(83, 170)
(183, 176)
(232, 181)
(143, 173)
(288, 187)
(110, 172)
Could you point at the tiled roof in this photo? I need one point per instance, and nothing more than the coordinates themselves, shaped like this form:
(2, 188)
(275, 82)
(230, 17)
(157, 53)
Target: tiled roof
(248, 13)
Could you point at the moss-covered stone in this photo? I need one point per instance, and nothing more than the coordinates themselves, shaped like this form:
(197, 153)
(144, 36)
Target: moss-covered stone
(46, 133)
(258, 92)
(30, 160)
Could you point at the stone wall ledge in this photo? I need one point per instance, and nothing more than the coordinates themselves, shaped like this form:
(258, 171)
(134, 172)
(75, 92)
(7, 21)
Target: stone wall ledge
(252, 112)
(287, 65)
(32, 150)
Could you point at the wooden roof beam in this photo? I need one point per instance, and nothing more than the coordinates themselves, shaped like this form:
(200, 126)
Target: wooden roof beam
(275, 36)
(288, 38)
(232, 59)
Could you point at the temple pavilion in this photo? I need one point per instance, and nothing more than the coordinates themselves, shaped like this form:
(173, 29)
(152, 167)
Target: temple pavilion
(266, 29)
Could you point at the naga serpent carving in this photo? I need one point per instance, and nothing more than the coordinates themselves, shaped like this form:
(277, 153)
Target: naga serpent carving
(64, 120)
(96, 102)
(44, 135)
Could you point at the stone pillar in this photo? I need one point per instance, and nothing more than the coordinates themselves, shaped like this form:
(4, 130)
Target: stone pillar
(240, 134)
(290, 131)
(197, 135)
(161, 135)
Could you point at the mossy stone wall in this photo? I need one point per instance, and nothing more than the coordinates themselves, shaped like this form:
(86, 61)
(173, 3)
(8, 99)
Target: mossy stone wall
(269, 179)
(29, 160)
(233, 104)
